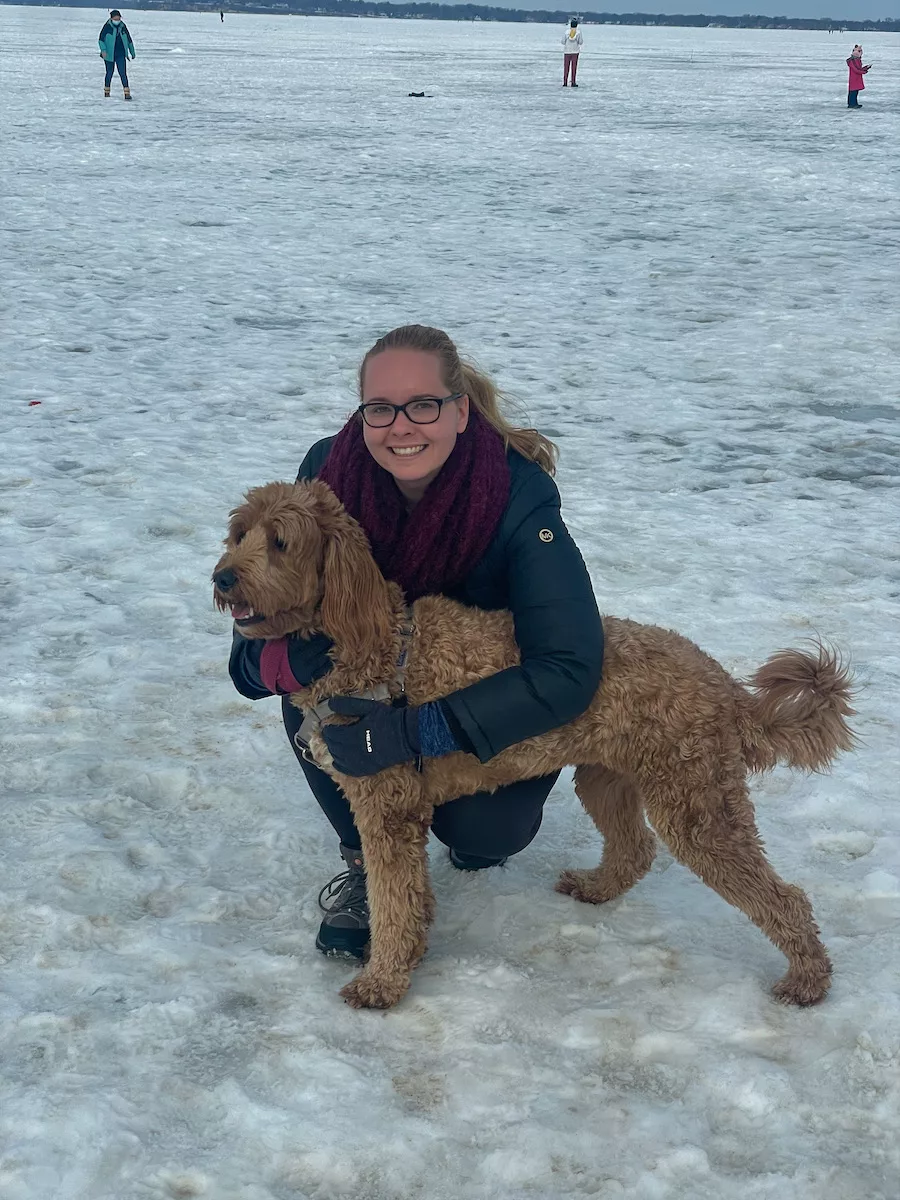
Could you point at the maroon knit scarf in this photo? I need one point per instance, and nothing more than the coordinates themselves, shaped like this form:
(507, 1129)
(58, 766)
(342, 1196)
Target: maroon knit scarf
(433, 548)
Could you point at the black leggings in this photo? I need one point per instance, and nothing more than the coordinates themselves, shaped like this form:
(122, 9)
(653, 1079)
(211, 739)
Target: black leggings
(117, 65)
(485, 825)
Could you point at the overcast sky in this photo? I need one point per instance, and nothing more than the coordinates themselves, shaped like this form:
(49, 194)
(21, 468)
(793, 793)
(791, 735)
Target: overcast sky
(859, 9)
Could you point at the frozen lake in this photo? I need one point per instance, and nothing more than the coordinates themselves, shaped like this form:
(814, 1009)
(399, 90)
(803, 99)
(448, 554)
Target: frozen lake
(687, 272)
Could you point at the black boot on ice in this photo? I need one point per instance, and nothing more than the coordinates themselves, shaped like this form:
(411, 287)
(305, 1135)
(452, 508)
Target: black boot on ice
(344, 932)
(471, 862)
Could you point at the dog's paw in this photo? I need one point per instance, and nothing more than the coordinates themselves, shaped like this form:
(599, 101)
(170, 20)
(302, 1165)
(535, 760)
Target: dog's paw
(369, 990)
(804, 987)
(591, 887)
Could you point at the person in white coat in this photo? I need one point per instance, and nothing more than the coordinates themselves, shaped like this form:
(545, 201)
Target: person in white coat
(571, 41)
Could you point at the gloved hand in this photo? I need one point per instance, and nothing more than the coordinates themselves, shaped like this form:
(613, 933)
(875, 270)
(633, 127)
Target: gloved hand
(382, 737)
(278, 666)
(309, 657)
(290, 663)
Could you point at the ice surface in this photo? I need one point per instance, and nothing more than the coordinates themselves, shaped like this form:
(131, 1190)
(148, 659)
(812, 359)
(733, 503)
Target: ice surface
(687, 270)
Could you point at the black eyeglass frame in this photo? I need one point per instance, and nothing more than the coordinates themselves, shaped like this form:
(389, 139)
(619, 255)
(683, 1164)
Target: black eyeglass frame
(440, 401)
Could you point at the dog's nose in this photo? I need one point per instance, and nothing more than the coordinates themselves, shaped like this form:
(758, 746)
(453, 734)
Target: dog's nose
(225, 580)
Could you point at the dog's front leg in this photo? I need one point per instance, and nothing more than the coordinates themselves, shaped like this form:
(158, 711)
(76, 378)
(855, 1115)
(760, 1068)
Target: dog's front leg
(393, 819)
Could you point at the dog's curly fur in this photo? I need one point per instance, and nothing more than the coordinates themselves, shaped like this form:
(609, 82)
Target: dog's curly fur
(670, 733)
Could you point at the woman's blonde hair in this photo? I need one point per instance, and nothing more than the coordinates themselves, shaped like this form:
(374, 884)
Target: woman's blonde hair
(461, 376)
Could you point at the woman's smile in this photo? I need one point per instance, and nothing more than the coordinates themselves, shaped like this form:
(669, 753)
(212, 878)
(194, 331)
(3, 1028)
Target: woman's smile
(400, 377)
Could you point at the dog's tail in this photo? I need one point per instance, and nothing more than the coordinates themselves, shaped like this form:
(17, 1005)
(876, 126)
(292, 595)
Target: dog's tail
(797, 711)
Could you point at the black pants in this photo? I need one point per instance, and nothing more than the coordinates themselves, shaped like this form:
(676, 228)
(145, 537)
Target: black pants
(485, 825)
(851, 99)
(117, 65)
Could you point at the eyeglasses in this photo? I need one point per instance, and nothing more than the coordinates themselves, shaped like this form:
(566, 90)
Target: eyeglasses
(378, 414)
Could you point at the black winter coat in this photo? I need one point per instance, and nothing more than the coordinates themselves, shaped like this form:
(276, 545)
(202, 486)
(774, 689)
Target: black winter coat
(533, 568)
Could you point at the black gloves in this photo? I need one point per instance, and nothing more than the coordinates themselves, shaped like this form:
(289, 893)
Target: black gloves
(278, 666)
(381, 738)
(309, 657)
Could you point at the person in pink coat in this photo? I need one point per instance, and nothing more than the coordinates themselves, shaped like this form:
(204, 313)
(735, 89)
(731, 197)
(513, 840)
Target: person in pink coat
(857, 84)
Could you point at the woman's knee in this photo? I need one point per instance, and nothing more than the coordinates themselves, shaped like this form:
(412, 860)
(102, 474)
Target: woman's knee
(494, 825)
(479, 840)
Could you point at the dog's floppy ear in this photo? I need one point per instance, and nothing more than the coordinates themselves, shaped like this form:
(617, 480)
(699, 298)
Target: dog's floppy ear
(356, 610)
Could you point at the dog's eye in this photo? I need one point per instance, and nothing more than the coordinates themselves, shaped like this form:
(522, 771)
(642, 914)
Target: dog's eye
(279, 544)
(239, 536)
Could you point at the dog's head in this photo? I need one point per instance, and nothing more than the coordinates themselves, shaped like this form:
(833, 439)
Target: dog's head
(296, 562)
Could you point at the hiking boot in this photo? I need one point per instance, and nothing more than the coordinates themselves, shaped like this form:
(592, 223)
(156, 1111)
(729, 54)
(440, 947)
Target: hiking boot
(106, 92)
(471, 862)
(344, 932)
(128, 93)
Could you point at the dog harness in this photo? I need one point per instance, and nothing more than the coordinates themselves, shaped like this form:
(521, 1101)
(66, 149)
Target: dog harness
(313, 717)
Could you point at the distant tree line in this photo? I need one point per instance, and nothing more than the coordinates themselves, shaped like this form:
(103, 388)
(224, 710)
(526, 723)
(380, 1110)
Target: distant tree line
(487, 12)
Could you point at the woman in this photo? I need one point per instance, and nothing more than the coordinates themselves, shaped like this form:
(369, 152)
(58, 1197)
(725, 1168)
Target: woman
(856, 83)
(115, 47)
(455, 501)
(572, 42)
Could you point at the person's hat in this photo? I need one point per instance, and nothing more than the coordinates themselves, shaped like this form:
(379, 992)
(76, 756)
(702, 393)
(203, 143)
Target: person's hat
(574, 22)
(115, 13)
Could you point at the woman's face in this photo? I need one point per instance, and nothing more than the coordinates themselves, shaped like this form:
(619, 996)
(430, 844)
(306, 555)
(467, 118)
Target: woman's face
(413, 454)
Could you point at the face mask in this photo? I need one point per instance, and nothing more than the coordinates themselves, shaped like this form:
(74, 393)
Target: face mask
(115, 20)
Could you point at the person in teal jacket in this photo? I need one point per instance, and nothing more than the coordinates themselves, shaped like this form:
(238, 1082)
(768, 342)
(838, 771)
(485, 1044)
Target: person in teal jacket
(115, 47)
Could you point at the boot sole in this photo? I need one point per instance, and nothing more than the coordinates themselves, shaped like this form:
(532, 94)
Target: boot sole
(345, 952)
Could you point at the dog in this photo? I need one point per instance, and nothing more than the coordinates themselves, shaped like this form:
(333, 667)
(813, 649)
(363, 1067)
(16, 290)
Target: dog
(669, 733)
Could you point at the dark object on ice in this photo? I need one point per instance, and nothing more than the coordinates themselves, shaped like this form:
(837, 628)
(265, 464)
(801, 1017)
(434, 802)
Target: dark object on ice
(472, 862)
(415, 93)
(344, 932)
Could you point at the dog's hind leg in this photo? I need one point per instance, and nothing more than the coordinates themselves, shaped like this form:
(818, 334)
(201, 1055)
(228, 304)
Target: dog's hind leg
(401, 902)
(720, 843)
(615, 805)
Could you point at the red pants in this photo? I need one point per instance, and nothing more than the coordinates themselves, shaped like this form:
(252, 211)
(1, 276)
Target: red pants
(571, 60)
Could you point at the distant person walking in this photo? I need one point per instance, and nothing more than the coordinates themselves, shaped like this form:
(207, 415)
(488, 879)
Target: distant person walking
(857, 83)
(222, 17)
(572, 41)
(115, 47)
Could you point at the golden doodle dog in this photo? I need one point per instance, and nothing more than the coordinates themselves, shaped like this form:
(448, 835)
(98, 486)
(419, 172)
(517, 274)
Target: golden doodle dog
(670, 733)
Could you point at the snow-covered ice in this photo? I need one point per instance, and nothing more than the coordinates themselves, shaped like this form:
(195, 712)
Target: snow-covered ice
(687, 271)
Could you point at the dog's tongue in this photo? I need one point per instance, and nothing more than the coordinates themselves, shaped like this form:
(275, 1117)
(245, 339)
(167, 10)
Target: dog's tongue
(240, 611)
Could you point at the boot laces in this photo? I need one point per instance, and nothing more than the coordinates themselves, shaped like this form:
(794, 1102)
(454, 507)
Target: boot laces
(345, 893)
